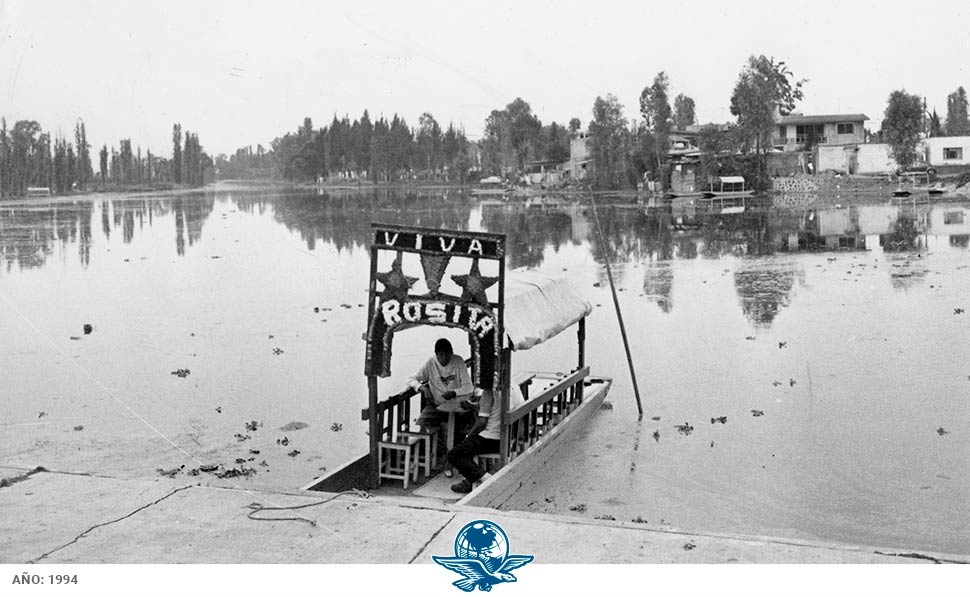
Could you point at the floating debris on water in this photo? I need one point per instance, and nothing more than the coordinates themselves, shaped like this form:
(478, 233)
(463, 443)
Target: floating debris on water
(241, 438)
(316, 309)
(253, 451)
(243, 471)
(942, 431)
(721, 420)
(88, 328)
(782, 344)
(78, 427)
(578, 508)
(639, 520)
(219, 409)
(654, 418)
(253, 426)
(757, 413)
(75, 338)
(294, 426)
(689, 546)
(596, 284)
(181, 372)
(604, 517)
(749, 337)
(41, 415)
(336, 426)
(791, 382)
(208, 468)
(957, 311)
(293, 453)
(684, 429)
(607, 405)
(283, 442)
(776, 383)
(170, 472)
(277, 350)
(656, 436)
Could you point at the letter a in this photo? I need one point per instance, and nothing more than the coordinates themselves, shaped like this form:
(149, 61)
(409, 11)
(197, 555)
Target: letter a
(475, 246)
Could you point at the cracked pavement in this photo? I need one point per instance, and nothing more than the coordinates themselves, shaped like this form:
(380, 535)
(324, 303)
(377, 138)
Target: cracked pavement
(58, 517)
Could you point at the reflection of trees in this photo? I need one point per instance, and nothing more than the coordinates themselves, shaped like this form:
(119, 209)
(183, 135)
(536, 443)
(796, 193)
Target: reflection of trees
(905, 235)
(631, 234)
(658, 282)
(344, 218)
(744, 234)
(529, 232)
(763, 290)
(28, 234)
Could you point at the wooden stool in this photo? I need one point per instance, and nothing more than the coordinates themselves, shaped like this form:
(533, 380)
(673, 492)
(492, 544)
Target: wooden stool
(427, 456)
(404, 448)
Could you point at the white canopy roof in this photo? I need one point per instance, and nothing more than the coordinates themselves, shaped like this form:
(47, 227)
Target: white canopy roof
(731, 178)
(538, 306)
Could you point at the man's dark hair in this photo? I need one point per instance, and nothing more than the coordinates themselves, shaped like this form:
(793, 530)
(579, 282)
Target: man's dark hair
(442, 345)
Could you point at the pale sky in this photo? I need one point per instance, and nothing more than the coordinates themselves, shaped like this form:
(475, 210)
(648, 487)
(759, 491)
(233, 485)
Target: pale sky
(243, 72)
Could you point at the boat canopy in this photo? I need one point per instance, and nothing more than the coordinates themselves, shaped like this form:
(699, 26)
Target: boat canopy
(731, 179)
(538, 306)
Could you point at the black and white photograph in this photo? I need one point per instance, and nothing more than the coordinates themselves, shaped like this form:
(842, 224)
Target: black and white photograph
(484, 288)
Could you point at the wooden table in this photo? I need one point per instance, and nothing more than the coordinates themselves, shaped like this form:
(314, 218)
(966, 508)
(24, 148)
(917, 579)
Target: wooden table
(451, 407)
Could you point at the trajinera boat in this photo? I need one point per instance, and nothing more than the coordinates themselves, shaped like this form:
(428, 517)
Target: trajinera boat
(728, 186)
(502, 312)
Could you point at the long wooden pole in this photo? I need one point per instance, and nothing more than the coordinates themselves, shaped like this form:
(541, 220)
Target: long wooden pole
(616, 302)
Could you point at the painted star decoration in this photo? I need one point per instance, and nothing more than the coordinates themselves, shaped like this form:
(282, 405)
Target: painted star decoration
(474, 284)
(396, 284)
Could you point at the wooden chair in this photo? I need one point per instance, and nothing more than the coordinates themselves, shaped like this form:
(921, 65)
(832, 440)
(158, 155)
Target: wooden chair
(427, 456)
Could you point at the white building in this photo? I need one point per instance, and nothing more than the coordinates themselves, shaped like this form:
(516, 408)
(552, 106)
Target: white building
(948, 151)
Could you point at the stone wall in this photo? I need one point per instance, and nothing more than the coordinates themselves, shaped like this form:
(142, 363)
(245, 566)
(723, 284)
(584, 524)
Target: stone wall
(802, 183)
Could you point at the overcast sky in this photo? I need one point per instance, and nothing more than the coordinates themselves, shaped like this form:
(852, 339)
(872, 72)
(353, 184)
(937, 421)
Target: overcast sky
(241, 73)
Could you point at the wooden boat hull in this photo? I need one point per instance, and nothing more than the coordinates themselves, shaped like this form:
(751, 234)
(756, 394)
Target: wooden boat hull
(727, 194)
(503, 484)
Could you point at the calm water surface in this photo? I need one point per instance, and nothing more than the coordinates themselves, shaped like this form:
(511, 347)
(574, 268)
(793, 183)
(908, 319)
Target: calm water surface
(839, 323)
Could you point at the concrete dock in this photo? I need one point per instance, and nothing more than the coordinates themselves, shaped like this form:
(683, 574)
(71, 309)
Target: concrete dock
(60, 517)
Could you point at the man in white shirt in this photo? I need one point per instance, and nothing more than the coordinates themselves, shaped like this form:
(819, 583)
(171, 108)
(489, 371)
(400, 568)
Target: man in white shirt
(482, 438)
(444, 377)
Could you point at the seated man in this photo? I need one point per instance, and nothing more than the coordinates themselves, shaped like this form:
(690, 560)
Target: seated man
(483, 438)
(444, 377)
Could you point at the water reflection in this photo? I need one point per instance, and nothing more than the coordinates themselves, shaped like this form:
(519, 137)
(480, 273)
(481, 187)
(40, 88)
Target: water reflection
(343, 219)
(28, 235)
(763, 292)
(681, 229)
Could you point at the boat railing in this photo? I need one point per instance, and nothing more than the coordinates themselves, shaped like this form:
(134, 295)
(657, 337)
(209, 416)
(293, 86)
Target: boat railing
(537, 416)
(393, 413)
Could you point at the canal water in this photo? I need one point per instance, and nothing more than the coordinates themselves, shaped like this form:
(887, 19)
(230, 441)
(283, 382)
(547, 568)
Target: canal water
(803, 362)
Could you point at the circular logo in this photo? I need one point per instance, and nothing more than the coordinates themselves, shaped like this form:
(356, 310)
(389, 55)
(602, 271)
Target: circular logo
(485, 541)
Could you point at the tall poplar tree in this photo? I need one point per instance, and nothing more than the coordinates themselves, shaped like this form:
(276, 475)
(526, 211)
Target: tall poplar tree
(177, 153)
(957, 123)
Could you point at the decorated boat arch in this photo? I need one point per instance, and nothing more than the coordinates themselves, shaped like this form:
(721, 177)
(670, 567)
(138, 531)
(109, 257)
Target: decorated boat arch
(458, 279)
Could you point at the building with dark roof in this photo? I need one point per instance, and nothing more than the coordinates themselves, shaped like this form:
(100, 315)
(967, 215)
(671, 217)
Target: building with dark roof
(800, 132)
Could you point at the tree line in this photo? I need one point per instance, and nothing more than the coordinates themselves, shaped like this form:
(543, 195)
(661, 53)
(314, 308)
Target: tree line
(623, 151)
(382, 151)
(29, 158)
